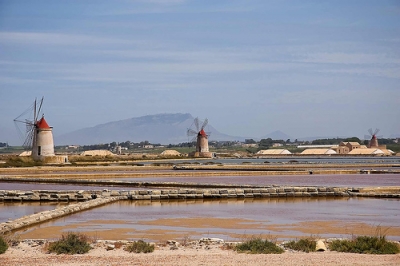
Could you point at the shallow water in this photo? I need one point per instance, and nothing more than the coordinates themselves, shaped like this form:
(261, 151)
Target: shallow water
(15, 210)
(357, 180)
(42, 186)
(231, 219)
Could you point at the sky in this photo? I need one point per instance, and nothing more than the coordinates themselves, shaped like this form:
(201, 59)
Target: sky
(307, 68)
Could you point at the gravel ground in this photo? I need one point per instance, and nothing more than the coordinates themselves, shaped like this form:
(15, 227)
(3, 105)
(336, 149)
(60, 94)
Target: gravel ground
(28, 253)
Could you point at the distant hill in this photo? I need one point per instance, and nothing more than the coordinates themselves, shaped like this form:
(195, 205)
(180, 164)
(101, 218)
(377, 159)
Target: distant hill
(159, 128)
(277, 135)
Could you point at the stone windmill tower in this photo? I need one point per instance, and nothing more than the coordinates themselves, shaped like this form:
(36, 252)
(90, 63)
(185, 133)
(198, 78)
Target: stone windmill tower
(201, 138)
(373, 143)
(39, 136)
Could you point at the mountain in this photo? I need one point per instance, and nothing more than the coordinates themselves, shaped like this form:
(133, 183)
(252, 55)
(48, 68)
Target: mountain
(159, 128)
(276, 135)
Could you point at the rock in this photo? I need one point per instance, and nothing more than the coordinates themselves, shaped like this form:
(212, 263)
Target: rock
(110, 247)
(320, 246)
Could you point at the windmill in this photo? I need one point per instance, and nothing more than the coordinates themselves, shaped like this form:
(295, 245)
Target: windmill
(38, 135)
(199, 134)
(373, 138)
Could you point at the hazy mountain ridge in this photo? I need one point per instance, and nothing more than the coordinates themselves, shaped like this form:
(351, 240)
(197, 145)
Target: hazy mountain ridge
(159, 128)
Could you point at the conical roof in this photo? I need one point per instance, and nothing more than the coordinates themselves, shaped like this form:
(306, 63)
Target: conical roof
(42, 123)
(202, 133)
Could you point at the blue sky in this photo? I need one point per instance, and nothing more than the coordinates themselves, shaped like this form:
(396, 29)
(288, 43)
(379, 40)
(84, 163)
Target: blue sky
(307, 68)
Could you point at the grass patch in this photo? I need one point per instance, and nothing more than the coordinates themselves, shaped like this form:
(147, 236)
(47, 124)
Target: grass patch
(16, 161)
(3, 245)
(305, 245)
(258, 246)
(139, 247)
(71, 243)
(365, 245)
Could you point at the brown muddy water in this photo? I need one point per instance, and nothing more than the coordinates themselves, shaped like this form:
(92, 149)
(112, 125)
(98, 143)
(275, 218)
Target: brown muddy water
(231, 219)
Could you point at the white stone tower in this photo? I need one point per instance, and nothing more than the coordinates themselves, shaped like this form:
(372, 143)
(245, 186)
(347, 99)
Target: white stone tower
(202, 141)
(42, 144)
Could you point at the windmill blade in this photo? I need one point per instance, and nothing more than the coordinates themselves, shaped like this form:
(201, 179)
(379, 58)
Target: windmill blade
(40, 108)
(24, 114)
(370, 131)
(196, 123)
(204, 123)
(29, 138)
(376, 131)
(191, 132)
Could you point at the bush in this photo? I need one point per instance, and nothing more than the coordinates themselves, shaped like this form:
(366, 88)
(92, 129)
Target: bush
(140, 246)
(366, 245)
(259, 246)
(71, 243)
(3, 245)
(305, 245)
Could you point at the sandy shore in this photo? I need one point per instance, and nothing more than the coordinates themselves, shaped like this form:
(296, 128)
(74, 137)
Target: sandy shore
(215, 254)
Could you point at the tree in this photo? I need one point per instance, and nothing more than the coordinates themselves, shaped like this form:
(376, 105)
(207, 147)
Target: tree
(353, 139)
(266, 143)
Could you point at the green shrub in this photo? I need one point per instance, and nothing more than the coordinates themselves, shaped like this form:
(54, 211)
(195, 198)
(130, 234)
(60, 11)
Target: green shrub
(71, 243)
(259, 246)
(3, 245)
(365, 245)
(140, 246)
(305, 245)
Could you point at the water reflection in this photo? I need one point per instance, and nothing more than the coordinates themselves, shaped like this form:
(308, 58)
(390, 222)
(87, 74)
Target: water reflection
(231, 218)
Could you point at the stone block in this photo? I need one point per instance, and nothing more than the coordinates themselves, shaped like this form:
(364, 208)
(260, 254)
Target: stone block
(155, 197)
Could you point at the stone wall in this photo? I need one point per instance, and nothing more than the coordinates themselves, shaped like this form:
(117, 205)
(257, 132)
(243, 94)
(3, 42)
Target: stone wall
(192, 193)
